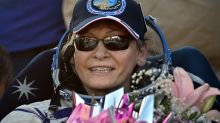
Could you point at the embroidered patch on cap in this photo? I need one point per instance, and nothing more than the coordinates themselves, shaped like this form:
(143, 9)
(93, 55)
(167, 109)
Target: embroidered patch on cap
(106, 7)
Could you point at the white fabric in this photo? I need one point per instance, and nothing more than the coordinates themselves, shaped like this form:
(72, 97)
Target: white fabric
(25, 117)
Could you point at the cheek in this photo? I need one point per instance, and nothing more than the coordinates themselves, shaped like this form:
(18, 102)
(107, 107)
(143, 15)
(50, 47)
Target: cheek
(128, 60)
(132, 62)
(133, 55)
(79, 59)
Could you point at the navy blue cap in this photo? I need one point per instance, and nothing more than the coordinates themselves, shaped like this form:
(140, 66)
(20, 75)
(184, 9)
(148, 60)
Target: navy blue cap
(126, 12)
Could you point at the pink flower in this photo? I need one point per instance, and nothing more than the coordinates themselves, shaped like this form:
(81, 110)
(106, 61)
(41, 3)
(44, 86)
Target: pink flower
(80, 114)
(167, 119)
(213, 115)
(187, 96)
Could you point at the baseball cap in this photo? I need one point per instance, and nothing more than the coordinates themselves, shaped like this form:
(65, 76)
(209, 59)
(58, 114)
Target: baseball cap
(128, 13)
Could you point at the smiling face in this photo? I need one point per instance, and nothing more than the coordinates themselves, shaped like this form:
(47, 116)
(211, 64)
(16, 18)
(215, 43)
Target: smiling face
(102, 70)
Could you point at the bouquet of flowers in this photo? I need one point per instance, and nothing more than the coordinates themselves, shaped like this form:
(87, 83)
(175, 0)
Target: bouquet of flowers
(171, 99)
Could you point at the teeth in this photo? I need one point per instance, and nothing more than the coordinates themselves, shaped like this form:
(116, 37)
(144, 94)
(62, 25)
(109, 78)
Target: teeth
(101, 69)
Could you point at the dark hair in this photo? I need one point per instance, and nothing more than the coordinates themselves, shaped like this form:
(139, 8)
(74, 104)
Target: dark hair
(6, 71)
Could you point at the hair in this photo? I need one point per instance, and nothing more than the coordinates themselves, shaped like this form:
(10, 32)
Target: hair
(6, 69)
(153, 42)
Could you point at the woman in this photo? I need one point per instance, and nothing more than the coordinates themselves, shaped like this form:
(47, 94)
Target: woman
(108, 40)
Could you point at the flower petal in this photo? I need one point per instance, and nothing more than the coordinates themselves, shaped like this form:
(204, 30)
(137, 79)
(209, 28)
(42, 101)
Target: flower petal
(213, 115)
(211, 92)
(174, 91)
(183, 82)
(194, 98)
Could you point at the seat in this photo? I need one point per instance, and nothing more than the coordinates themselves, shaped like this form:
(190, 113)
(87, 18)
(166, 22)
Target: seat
(34, 82)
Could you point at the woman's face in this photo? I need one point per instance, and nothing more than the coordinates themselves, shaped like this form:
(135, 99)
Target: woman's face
(102, 70)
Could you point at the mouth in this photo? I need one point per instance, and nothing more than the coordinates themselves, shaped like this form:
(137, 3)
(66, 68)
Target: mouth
(101, 69)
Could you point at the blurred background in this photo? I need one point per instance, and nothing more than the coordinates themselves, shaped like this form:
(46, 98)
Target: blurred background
(189, 22)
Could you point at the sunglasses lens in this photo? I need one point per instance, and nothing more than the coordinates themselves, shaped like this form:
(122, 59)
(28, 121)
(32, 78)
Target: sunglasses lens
(85, 43)
(116, 43)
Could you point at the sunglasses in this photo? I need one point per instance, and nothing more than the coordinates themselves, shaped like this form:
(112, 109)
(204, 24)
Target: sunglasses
(113, 43)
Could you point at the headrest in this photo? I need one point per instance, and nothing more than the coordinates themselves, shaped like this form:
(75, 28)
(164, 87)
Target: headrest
(33, 83)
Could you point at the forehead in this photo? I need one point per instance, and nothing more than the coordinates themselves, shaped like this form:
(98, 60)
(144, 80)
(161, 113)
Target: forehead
(105, 23)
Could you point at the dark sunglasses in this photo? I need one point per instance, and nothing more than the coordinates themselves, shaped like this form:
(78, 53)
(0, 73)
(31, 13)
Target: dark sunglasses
(113, 43)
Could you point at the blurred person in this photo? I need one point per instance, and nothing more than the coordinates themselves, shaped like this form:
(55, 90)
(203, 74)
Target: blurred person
(5, 70)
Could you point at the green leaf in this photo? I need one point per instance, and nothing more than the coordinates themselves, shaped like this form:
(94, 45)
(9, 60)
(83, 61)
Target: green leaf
(208, 103)
(193, 115)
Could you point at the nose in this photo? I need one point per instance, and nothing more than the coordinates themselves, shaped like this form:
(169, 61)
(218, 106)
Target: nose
(101, 52)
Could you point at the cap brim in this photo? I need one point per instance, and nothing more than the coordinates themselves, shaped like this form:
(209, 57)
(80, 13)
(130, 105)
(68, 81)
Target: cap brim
(93, 19)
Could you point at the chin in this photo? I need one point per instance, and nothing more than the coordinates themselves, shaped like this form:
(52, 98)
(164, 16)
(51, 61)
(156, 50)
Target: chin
(101, 87)
(101, 91)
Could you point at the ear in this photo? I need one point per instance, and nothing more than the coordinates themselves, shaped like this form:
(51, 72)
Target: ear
(142, 56)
